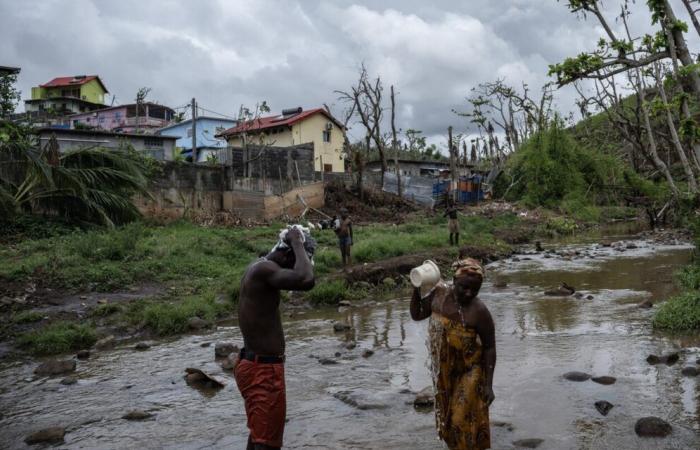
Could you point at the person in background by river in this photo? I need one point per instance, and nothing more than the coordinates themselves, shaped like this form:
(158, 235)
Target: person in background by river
(345, 236)
(463, 351)
(452, 221)
(259, 369)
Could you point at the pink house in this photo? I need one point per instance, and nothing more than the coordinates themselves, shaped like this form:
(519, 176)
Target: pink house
(124, 119)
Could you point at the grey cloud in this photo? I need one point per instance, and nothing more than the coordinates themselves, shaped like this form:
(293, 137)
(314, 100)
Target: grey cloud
(227, 53)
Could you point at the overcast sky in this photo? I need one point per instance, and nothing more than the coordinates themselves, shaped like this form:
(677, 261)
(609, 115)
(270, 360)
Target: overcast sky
(296, 53)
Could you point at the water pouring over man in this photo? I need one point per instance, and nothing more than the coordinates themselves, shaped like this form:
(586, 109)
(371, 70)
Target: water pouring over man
(463, 351)
(259, 371)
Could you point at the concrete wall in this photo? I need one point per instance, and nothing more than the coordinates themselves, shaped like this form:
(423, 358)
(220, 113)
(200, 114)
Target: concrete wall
(184, 187)
(275, 163)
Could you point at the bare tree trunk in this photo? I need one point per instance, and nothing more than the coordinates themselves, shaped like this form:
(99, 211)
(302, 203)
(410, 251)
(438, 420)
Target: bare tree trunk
(674, 134)
(658, 162)
(394, 144)
(693, 17)
(681, 48)
(453, 166)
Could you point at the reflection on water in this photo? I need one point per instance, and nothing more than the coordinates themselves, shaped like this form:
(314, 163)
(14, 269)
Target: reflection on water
(539, 338)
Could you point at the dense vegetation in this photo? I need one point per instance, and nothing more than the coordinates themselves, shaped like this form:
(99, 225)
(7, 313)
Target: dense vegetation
(196, 270)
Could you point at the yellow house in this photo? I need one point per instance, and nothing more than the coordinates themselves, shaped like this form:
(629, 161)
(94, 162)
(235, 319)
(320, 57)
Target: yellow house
(296, 126)
(68, 95)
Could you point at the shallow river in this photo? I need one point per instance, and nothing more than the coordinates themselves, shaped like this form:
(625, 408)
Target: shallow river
(538, 339)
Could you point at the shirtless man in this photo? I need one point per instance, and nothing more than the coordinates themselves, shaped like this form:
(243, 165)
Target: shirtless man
(259, 371)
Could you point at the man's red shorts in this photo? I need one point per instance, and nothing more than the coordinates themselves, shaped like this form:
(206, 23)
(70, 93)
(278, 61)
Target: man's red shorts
(262, 387)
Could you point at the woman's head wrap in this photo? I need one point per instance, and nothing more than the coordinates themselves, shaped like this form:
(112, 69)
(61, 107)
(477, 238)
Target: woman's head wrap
(467, 266)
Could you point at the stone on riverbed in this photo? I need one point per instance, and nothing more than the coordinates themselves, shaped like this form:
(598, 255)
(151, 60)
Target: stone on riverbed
(652, 427)
(344, 303)
(83, 354)
(425, 398)
(195, 323)
(367, 353)
(505, 425)
(327, 361)
(606, 380)
(199, 379)
(357, 401)
(67, 381)
(339, 327)
(141, 346)
(105, 343)
(223, 349)
(603, 407)
(53, 435)
(645, 304)
(55, 367)
(669, 359)
(690, 371)
(137, 414)
(576, 376)
(528, 443)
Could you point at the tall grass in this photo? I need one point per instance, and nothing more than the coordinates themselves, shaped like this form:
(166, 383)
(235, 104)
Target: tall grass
(59, 337)
(680, 313)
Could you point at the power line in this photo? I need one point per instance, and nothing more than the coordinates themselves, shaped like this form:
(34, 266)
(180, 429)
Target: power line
(217, 113)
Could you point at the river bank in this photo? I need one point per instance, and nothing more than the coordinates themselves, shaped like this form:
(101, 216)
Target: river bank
(354, 388)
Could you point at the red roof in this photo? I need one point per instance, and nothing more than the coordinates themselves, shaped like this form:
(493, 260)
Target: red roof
(73, 81)
(263, 123)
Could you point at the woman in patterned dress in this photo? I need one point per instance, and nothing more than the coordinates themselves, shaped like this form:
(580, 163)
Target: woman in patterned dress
(463, 351)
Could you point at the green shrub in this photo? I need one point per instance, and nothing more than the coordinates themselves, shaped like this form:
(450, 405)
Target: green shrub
(59, 337)
(327, 293)
(27, 317)
(172, 317)
(689, 277)
(679, 313)
(106, 310)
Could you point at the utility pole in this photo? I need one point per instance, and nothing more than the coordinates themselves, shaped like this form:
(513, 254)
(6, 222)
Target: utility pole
(453, 168)
(194, 131)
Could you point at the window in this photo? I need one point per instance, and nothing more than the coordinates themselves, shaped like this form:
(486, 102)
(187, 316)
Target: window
(189, 132)
(152, 142)
(326, 135)
(328, 167)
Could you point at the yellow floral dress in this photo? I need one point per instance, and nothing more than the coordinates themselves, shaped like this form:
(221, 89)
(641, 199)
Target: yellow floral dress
(461, 413)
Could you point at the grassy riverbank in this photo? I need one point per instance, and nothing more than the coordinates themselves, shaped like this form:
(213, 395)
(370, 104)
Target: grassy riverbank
(190, 271)
(682, 312)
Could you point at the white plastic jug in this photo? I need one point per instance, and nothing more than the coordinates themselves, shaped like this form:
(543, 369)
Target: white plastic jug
(427, 274)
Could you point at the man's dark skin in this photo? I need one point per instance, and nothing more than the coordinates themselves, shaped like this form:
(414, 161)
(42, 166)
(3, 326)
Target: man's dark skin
(451, 212)
(474, 313)
(259, 298)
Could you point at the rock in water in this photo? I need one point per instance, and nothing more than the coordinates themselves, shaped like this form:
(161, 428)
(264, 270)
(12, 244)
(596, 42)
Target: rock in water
(141, 346)
(137, 414)
(425, 398)
(671, 359)
(199, 379)
(344, 303)
(576, 376)
(83, 354)
(105, 343)
(223, 349)
(367, 353)
(195, 323)
(528, 443)
(690, 371)
(55, 367)
(653, 359)
(652, 427)
(69, 380)
(603, 407)
(340, 327)
(230, 362)
(606, 380)
(646, 304)
(327, 361)
(53, 435)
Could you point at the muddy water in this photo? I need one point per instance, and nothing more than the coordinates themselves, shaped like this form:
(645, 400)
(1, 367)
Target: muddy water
(365, 403)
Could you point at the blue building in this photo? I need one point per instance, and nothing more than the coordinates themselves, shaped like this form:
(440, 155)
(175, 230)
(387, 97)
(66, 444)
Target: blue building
(207, 145)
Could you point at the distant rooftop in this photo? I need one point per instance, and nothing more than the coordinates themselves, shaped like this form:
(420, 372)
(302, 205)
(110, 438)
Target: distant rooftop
(290, 118)
(75, 80)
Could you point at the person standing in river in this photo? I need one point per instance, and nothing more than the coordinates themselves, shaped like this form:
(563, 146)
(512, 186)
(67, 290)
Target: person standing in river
(259, 370)
(345, 237)
(463, 351)
(452, 221)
